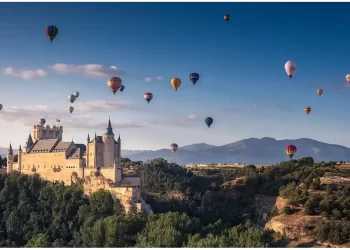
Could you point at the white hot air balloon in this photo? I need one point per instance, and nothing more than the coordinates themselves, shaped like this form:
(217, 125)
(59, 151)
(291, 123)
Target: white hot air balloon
(290, 68)
(348, 78)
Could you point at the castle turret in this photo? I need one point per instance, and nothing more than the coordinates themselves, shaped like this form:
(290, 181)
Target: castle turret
(108, 147)
(117, 174)
(10, 158)
(20, 158)
(119, 151)
(87, 151)
(28, 144)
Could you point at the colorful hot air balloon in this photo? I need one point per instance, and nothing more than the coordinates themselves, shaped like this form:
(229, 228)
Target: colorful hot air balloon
(77, 94)
(194, 78)
(307, 110)
(122, 87)
(1, 106)
(70, 109)
(174, 147)
(290, 150)
(42, 121)
(209, 121)
(175, 82)
(51, 32)
(319, 91)
(71, 98)
(348, 78)
(114, 83)
(290, 68)
(148, 96)
(227, 18)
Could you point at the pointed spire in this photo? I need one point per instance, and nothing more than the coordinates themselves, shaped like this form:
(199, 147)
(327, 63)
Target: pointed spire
(95, 136)
(72, 139)
(20, 148)
(10, 150)
(109, 129)
(29, 143)
(119, 137)
(88, 138)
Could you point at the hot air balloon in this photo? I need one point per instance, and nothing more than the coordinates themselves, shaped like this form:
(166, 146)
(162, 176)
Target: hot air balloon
(114, 83)
(174, 147)
(290, 150)
(194, 78)
(348, 78)
(227, 18)
(0, 106)
(42, 121)
(77, 94)
(175, 82)
(122, 87)
(51, 32)
(148, 96)
(209, 121)
(71, 98)
(319, 91)
(70, 109)
(307, 110)
(290, 68)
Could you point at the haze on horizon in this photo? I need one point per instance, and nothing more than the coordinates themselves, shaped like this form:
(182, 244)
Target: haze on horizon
(242, 84)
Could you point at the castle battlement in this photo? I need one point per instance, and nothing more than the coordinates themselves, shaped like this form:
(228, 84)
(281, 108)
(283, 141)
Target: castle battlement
(41, 132)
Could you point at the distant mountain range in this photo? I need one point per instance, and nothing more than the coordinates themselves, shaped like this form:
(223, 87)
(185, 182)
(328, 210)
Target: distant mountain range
(255, 151)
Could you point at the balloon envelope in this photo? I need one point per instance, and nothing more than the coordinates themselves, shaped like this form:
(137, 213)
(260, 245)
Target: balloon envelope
(71, 98)
(71, 109)
(307, 110)
(77, 94)
(348, 78)
(290, 150)
(51, 32)
(209, 121)
(148, 96)
(227, 17)
(122, 87)
(319, 91)
(114, 83)
(290, 68)
(174, 147)
(194, 77)
(175, 82)
(42, 121)
(0, 106)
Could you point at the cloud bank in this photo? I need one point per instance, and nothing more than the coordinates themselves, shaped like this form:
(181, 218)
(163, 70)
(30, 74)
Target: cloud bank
(87, 69)
(26, 74)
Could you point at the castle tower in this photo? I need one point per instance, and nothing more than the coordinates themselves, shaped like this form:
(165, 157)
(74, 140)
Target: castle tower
(119, 152)
(41, 132)
(28, 144)
(10, 158)
(87, 151)
(108, 147)
(20, 159)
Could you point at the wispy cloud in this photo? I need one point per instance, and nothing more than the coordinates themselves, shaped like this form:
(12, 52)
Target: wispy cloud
(159, 78)
(105, 106)
(26, 74)
(87, 69)
(148, 79)
(30, 115)
(192, 117)
(281, 106)
(177, 121)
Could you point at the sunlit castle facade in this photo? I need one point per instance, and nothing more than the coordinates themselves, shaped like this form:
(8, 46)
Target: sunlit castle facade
(53, 159)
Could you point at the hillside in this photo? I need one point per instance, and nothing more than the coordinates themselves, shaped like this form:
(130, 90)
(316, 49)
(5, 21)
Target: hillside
(255, 151)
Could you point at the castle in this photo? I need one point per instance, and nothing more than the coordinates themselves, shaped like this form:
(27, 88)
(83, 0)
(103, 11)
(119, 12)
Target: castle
(97, 162)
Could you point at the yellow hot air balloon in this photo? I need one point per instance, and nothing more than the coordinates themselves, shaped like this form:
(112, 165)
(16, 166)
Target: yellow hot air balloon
(307, 110)
(175, 82)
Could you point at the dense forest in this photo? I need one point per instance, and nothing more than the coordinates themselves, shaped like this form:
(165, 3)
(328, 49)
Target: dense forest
(197, 208)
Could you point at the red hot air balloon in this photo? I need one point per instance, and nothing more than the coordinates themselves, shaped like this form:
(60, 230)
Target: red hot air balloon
(319, 91)
(148, 96)
(51, 32)
(114, 83)
(290, 150)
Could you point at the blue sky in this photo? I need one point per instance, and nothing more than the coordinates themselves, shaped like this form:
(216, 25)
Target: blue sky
(242, 85)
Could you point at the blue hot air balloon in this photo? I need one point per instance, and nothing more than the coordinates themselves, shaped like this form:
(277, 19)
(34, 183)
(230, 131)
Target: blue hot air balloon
(209, 121)
(194, 78)
(122, 88)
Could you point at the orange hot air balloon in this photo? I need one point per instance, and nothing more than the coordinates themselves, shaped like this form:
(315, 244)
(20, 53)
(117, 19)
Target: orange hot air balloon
(114, 83)
(319, 91)
(175, 82)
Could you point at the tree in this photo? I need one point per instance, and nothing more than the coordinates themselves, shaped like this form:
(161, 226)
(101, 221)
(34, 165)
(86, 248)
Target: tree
(40, 240)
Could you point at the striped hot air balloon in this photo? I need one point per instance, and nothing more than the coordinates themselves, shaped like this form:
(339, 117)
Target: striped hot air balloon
(51, 32)
(290, 150)
(148, 96)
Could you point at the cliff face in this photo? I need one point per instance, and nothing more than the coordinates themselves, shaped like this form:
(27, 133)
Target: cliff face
(130, 197)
